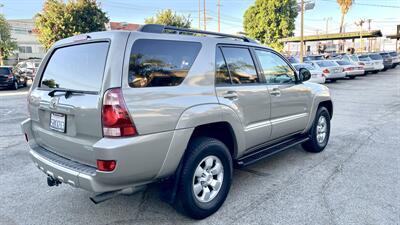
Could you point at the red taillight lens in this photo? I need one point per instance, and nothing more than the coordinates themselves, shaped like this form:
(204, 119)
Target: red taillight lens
(106, 165)
(115, 116)
(349, 69)
(326, 71)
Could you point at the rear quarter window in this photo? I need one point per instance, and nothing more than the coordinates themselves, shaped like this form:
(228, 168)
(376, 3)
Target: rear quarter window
(4, 71)
(158, 63)
(77, 67)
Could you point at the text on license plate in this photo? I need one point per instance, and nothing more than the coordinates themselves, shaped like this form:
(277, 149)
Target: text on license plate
(57, 122)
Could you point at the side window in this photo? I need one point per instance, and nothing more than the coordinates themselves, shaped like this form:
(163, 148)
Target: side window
(240, 65)
(158, 63)
(221, 69)
(276, 70)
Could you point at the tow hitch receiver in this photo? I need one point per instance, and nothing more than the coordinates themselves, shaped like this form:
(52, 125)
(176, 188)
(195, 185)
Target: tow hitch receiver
(52, 182)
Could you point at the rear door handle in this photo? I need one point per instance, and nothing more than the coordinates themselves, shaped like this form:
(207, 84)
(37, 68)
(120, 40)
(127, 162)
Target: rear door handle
(275, 92)
(232, 95)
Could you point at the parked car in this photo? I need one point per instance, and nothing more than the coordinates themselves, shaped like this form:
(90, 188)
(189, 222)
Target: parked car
(377, 61)
(367, 63)
(316, 74)
(331, 70)
(351, 70)
(10, 79)
(28, 67)
(387, 60)
(150, 109)
(395, 59)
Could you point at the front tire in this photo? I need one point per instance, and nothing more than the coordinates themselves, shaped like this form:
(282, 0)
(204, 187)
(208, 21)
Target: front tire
(206, 177)
(319, 133)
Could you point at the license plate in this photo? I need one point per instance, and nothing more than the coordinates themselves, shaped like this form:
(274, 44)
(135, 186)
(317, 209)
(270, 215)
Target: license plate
(57, 122)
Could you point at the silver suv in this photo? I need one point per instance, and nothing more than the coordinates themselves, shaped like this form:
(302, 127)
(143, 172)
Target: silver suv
(113, 111)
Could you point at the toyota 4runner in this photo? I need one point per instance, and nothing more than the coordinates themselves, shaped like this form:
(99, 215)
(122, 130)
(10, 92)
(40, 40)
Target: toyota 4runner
(113, 111)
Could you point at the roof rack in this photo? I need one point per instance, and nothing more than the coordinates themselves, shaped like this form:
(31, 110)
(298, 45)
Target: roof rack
(157, 28)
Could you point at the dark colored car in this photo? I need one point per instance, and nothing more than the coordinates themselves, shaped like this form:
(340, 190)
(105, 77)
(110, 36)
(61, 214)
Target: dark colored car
(10, 79)
(387, 60)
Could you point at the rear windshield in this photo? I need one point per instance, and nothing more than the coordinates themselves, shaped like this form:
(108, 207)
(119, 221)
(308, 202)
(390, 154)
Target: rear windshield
(375, 56)
(158, 63)
(326, 63)
(77, 67)
(307, 66)
(317, 57)
(342, 63)
(4, 71)
(393, 53)
(364, 58)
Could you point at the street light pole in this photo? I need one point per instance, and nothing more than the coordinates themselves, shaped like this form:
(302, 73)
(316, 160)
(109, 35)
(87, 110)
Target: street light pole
(302, 31)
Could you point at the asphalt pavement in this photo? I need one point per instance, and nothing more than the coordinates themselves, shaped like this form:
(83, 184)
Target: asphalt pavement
(354, 181)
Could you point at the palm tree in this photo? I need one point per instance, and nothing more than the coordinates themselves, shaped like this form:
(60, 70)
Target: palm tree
(344, 7)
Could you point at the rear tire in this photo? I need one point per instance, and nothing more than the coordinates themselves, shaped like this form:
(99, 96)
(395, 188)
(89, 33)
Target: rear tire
(319, 133)
(206, 177)
(15, 85)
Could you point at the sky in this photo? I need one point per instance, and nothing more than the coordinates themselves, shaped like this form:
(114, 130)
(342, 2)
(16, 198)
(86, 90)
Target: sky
(385, 14)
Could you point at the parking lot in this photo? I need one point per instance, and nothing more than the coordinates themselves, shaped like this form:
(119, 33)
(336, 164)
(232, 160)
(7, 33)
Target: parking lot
(356, 180)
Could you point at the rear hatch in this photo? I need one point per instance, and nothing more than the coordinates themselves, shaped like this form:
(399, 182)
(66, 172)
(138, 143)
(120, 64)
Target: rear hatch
(4, 74)
(65, 103)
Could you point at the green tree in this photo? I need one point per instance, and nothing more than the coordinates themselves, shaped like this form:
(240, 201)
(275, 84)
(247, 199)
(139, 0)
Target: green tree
(168, 17)
(344, 7)
(59, 20)
(270, 20)
(7, 45)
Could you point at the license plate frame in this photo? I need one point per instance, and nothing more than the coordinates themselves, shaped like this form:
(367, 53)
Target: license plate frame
(58, 122)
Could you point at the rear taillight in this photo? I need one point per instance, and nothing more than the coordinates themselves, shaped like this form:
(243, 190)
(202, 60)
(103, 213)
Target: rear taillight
(326, 71)
(10, 76)
(115, 116)
(349, 69)
(106, 165)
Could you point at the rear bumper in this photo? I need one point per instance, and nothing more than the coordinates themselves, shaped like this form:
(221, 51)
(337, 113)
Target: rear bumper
(355, 72)
(335, 75)
(139, 161)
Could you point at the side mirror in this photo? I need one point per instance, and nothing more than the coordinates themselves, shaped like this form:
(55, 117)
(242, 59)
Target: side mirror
(304, 74)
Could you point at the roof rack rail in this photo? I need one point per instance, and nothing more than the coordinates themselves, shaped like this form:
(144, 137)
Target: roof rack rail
(157, 28)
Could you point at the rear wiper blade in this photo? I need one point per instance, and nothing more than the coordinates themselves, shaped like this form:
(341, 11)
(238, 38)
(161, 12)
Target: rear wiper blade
(69, 92)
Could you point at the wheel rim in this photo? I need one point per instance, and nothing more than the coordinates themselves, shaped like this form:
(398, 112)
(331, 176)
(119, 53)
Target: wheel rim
(322, 129)
(208, 178)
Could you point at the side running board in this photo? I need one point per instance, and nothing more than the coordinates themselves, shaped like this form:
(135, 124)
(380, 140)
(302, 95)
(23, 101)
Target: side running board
(265, 152)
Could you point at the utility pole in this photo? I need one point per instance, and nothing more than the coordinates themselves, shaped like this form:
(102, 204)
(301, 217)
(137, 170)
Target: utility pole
(205, 16)
(199, 13)
(219, 16)
(327, 24)
(302, 31)
(369, 39)
(360, 23)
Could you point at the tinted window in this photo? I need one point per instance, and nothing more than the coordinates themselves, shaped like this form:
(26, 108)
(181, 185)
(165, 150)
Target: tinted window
(4, 71)
(375, 57)
(156, 63)
(342, 63)
(275, 69)
(393, 53)
(326, 63)
(221, 70)
(78, 67)
(241, 65)
(307, 66)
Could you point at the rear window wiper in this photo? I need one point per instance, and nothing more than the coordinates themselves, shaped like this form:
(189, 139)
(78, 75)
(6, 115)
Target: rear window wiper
(69, 92)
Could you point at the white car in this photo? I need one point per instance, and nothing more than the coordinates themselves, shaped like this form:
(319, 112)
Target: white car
(316, 74)
(377, 61)
(330, 69)
(351, 69)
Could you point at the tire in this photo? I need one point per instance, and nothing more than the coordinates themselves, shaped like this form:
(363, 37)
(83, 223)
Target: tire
(200, 150)
(313, 144)
(15, 85)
